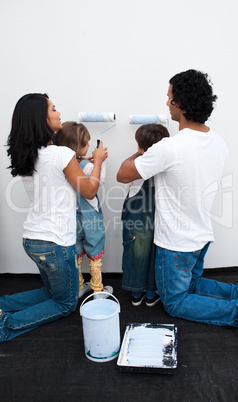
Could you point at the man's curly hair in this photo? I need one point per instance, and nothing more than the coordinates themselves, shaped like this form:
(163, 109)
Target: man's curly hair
(192, 93)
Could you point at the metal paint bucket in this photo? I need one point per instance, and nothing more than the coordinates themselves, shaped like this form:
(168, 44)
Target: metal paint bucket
(101, 328)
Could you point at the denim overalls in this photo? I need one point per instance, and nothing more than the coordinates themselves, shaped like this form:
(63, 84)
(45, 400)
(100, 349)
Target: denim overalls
(138, 261)
(90, 227)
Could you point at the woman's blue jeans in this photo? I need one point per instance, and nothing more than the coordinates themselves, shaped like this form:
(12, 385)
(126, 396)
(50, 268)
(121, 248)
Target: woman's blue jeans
(186, 294)
(25, 311)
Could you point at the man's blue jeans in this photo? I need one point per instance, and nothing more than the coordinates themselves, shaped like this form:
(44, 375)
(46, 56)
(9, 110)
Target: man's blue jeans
(186, 294)
(25, 311)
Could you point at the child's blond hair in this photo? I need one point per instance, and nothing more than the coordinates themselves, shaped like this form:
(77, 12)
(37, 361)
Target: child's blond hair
(73, 135)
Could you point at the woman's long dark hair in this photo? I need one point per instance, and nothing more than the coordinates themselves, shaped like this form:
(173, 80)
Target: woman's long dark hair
(29, 132)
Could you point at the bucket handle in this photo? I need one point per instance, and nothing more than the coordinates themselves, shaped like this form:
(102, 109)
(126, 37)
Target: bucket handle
(110, 294)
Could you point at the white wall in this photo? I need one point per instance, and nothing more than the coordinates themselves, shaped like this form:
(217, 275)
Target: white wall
(109, 55)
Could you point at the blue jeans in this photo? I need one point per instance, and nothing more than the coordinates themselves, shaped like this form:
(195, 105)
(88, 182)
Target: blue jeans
(25, 311)
(186, 294)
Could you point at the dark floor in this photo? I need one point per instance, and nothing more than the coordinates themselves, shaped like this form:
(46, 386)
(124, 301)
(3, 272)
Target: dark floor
(49, 364)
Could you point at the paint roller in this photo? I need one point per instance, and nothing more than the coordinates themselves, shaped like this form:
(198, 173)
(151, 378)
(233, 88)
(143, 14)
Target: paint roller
(98, 117)
(148, 119)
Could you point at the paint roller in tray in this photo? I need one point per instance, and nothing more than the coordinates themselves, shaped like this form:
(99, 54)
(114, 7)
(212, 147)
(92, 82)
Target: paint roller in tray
(98, 117)
(148, 119)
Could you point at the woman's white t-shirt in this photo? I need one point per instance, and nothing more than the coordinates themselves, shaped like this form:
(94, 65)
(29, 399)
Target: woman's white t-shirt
(52, 212)
(187, 168)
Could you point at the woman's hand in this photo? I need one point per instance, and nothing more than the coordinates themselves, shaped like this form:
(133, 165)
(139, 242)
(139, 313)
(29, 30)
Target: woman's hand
(75, 175)
(100, 153)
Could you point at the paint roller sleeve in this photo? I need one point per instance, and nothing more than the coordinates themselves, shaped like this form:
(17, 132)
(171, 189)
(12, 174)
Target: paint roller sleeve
(148, 119)
(96, 116)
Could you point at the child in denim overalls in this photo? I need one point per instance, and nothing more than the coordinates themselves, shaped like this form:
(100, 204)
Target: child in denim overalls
(90, 222)
(138, 261)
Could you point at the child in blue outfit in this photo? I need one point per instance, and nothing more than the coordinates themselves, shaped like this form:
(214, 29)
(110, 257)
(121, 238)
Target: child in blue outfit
(138, 261)
(89, 216)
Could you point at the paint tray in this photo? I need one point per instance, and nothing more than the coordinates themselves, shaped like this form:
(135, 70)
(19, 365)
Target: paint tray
(149, 348)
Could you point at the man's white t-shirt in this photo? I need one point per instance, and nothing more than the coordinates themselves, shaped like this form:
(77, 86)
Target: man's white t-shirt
(186, 169)
(52, 212)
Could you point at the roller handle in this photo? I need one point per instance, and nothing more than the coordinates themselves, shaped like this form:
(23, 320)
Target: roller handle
(98, 142)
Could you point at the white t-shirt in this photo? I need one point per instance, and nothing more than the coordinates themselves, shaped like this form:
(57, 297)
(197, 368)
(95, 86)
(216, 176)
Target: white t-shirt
(52, 213)
(88, 168)
(134, 187)
(185, 168)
